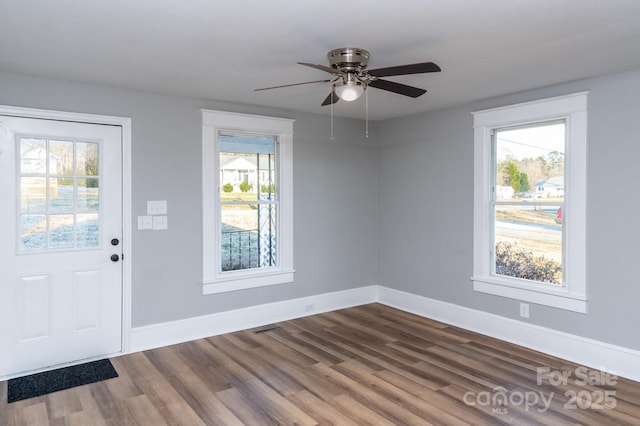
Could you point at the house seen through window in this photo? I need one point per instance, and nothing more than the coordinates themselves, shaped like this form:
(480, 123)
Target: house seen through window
(248, 201)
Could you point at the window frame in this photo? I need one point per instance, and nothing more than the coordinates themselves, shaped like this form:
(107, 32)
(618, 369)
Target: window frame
(573, 110)
(214, 123)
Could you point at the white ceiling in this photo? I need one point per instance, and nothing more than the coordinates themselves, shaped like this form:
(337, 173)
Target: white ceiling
(224, 49)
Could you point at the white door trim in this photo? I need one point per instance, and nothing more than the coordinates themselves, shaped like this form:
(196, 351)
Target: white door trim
(125, 124)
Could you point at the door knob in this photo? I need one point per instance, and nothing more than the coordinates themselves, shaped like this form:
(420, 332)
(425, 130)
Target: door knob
(115, 242)
(115, 257)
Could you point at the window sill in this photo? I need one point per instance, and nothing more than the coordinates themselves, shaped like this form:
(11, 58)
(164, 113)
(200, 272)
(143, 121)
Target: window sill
(556, 298)
(233, 281)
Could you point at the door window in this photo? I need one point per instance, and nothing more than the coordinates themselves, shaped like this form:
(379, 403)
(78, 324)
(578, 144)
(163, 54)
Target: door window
(59, 187)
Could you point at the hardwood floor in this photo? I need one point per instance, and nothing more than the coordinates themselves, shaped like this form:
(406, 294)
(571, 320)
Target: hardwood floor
(366, 365)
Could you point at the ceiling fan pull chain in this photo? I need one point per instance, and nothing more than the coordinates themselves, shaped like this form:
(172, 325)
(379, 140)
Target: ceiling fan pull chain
(332, 114)
(366, 114)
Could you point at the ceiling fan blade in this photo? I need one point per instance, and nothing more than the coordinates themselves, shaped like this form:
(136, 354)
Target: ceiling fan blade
(401, 89)
(322, 68)
(293, 84)
(331, 99)
(420, 68)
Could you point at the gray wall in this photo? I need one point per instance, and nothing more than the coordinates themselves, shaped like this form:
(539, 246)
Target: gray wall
(426, 209)
(335, 196)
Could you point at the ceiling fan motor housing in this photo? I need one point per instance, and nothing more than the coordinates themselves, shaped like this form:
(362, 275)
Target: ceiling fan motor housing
(349, 59)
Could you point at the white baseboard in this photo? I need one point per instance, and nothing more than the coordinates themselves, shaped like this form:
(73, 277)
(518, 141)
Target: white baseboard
(614, 359)
(592, 353)
(169, 333)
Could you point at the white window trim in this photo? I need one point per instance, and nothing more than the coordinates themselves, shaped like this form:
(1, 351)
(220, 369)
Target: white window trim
(215, 281)
(572, 295)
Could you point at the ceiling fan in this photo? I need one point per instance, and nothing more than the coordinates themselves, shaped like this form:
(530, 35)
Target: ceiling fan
(348, 66)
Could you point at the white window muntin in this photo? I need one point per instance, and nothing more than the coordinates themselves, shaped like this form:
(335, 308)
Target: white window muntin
(573, 110)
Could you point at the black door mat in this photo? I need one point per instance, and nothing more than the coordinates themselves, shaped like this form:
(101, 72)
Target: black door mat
(55, 380)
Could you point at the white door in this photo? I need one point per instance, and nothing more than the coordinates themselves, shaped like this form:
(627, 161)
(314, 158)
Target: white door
(60, 225)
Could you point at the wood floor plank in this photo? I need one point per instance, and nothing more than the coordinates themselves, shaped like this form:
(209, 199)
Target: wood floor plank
(169, 403)
(369, 364)
(303, 377)
(409, 402)
(389, 409)
(90, 409)
(262, 366)
(244, 408)
(144, 412)
(4, 416)
(62, 404)
(363, 414)
(323, 412)
(450, 407)
(299, 344)
(193, 389)
(276, 406)
(36, 414)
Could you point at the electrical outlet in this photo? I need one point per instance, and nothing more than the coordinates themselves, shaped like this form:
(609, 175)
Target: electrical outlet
(524, 310)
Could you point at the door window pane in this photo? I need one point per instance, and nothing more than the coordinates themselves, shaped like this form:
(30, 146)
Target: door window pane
(61, 158)
(33, 195)
(88, 194)
(33, 156)
(61, 195)
(86, 159)
(61, 231)
(33, 232)
(87, 228)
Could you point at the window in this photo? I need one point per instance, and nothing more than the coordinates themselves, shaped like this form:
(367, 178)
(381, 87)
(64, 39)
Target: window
(247, 201)
(530, 201)
(59, 194)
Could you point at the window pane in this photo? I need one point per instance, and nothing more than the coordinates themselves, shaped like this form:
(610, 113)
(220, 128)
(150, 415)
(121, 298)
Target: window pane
(33, 195)
(33, 232)
(88, 194)
(86, 159)
(61, 158)
(247, 167)
(239, 237)
(61, 195)
(529, 195)
(267, 216)
(33, 156)
(61, 231)
(529, 242)
(87, 234)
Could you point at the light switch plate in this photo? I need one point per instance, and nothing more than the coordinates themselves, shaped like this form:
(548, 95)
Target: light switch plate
(157, 207)
(144, 222)
(160, 222)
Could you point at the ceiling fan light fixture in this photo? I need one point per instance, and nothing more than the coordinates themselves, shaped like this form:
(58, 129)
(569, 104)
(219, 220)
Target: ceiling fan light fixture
(350, 88)
(349, 92)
